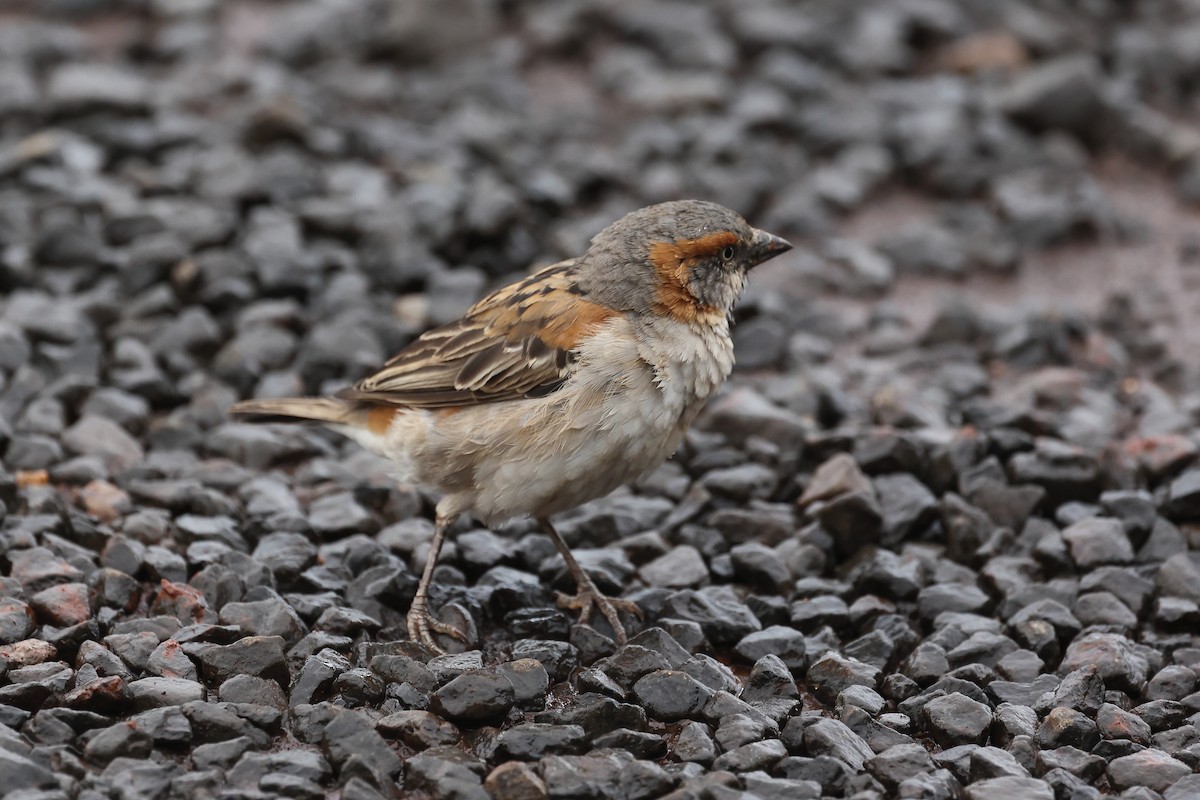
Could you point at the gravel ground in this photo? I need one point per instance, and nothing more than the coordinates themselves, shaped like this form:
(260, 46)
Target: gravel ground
(938, 539)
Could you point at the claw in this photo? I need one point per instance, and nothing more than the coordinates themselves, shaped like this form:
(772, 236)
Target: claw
(589, 598)
(422, 625)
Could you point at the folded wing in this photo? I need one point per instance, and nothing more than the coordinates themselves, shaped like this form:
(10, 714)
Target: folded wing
(518, 342)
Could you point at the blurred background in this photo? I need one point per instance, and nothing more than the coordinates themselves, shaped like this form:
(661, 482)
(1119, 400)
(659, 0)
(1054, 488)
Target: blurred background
(205, 199)
(988, 325)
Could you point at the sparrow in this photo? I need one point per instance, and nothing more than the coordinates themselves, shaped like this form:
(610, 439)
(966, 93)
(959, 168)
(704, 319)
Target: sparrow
(559, 388)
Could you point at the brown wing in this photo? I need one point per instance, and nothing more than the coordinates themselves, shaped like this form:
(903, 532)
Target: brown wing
(517, 342)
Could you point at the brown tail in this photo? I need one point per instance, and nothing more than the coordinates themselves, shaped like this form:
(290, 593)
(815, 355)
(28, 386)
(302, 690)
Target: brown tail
(318, 409)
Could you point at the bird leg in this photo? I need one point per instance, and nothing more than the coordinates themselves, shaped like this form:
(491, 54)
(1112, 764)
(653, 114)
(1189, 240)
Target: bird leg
(422, 624)
(588, 597)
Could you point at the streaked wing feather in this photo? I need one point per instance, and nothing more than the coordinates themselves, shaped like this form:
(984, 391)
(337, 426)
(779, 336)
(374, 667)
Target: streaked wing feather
(517, 342)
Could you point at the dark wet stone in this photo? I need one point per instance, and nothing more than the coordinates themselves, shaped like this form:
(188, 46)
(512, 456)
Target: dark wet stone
(786, 643)
(214, 722)
(1066, 726)
(1183, 497)
(596, 714)
(37, 568)
(899, 763)
(1010, 721)
(695, 743)
(418, 729)
(956, 719)
(338, 515)
(1118, 663)
(1097, 541)
(474, 697)
(514, 780)
(671, 695)
(713, 673)
(1162, 715)
(1082, 690)
(736, 730)
(992, 762)
(267, 617)
(1171, 683)
(761, 755)
(966, 528)
(359, 687)
(1077, 762)
(760, 566)
(1151, 768)
(1010, 787)
(640, 744)
(260, 656)
(832, 673)
(680, 567)
(533, 740)
(351, 733)
(17, 620)
(158, 692)
(103, 438)
(770, 677)
(252, 689)
(723, 617)
(342, 621)
(854, 521)
(559, 658)
(814, 612)
(316, 677)
(831, 737)
(1114, 722)
(23, 773)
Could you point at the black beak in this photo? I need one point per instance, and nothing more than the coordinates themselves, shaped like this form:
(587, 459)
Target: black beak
(765, 247)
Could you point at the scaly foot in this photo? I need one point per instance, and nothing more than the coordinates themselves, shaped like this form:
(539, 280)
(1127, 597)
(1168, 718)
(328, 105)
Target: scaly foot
(422, 625)
(589, 598)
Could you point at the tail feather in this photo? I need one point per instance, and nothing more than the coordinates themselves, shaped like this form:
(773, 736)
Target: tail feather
(317, 409)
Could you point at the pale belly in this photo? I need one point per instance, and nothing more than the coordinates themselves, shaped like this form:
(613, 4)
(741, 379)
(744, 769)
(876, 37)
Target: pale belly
(618, 418)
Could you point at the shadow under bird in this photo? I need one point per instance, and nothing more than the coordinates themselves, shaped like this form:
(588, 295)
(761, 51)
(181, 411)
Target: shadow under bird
(559, 388)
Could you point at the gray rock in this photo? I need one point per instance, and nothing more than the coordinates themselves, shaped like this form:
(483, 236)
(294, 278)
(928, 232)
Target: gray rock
(159, 692)
(352, 735)
(260, 656)
(1066, 726)
(533, 740)
(1077, 762)
(1010, 787)
(670, 695)
(1118, 662)
(474, 697)
(695, 743)
(833, 738)
(1097, 541)
(268, 617)
(761, 755)
(22, 773)
(1114, 722)
(1151, 768)
(899, 763)
(832, 674)
(105, 439)
(724, 618)
(779, 640)
(680, 567)
(956, 719)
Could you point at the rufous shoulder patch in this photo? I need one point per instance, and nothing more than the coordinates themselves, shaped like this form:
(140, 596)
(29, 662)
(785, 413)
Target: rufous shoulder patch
(379, 419)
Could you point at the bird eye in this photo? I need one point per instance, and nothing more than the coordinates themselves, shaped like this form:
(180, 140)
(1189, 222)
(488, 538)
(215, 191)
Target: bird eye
(728, 253)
